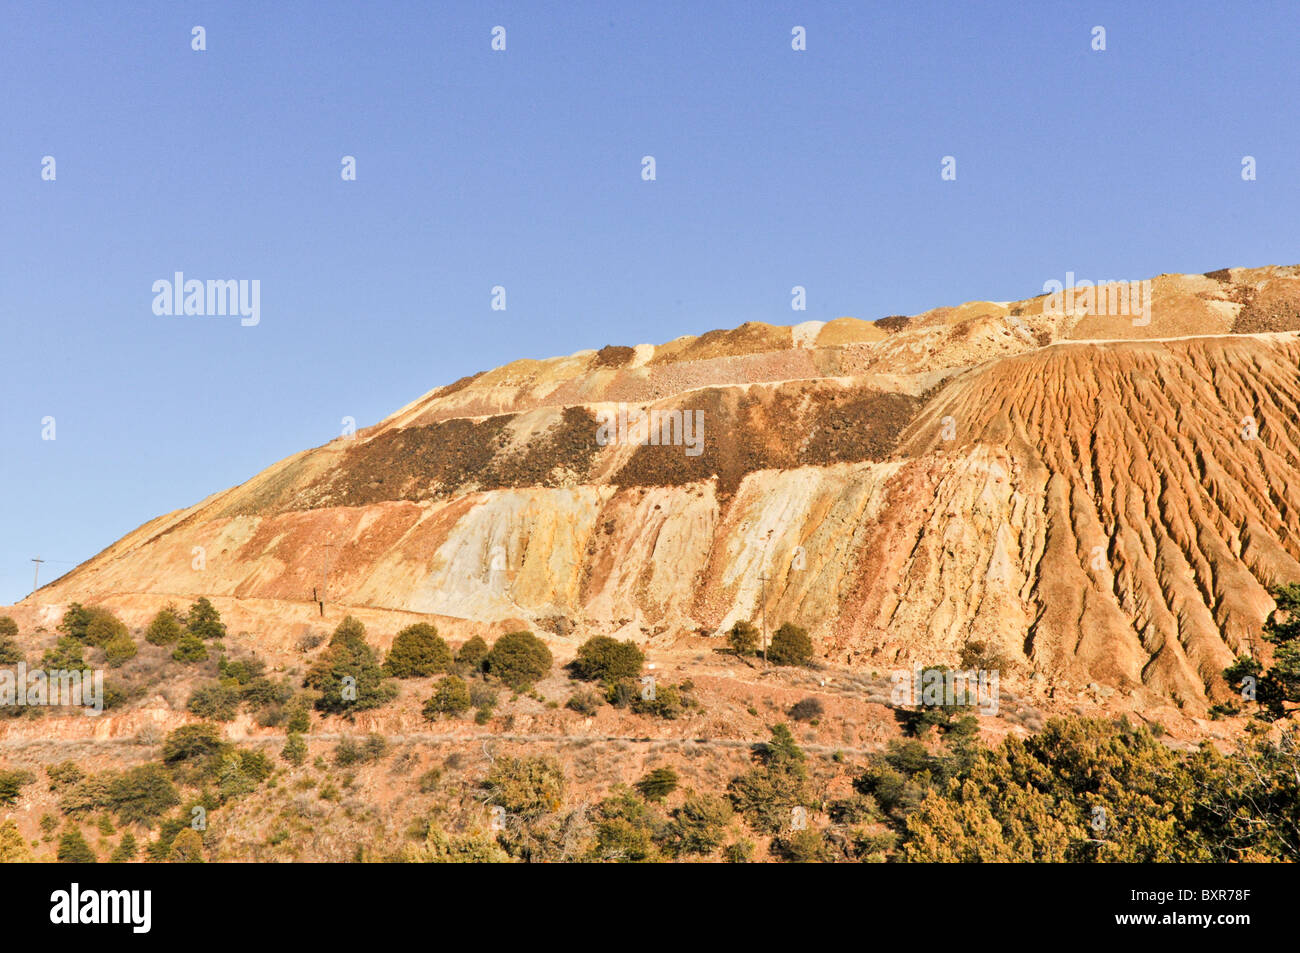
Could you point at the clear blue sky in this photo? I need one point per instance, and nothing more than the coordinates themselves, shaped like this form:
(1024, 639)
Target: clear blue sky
(522, 168)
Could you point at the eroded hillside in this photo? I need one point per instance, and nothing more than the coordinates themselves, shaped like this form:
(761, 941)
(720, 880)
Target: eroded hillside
(1102, 499)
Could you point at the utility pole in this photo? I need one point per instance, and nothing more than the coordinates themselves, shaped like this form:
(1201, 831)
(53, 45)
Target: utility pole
(767, 541)
(325, 581)
(36, 579)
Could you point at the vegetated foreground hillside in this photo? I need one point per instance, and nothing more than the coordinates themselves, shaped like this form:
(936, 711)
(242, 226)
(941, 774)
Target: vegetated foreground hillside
(486, 751)
(1102, 502)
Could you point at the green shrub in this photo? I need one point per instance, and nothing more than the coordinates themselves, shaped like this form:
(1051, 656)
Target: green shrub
(233, 781)
(115, 694)
(767, 793)
(667, 701)
(527, 787)
(627, 828)
(246, 676)
(585, 701)
(658, 784)
(64, 774)
(981, 655)
(164, 628)
(857, 808)
(67, 655)
(348, 752)
(12, 782)
(739, 852)
(216, 701)
(450, 697)
(809, 709)
(10, 653)
(519, 659)
(623, 693)
(105, 628)
(1278, 686)
(439, 847)
(255, 764)
(604, 659)
(299, 719)
(295, 749)
(700, 825)
(87, 795)
(262, 694)
(167, 832)
(194, 752)
(790, 646)
(142, 794)
(119, 649)
(241, 671)
(190, 649)
(803, 847)
(481, 694)
(429, 781)
(204, 620)
(417, 651)
(743, 638)
(374, 748)
(187, 848)
(472, 654)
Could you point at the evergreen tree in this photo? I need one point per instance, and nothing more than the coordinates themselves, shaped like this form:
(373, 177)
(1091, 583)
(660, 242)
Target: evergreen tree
(451, 697)
(768, 793)
(14, 848)
(1279, 686)
(743, 638)
(165, 628)
(790, 646)
(73, 848)
(602, 658)
(104, 628)
(142, 794)
(67, 655)
(10, 653)
(519, 659)
(472, 654)
(126, 849)
(417, 651)
(187, 848)
(204, 620)
(75, 620)
(347, 674)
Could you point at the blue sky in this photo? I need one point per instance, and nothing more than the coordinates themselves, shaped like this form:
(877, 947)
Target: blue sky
(522, 168)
